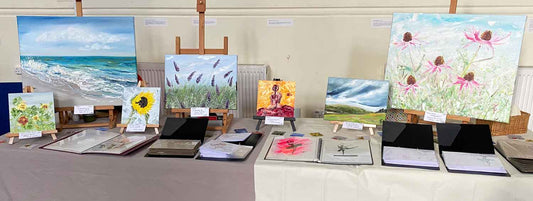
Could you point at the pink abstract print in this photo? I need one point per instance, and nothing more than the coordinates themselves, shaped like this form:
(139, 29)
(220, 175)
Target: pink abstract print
(292, 146)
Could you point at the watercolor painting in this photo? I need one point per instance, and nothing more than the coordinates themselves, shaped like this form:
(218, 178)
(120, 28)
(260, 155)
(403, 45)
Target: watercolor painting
(294, 149)
(355, 100)
(83, 60)
(140, 105)
(275, 98)
(461, 65)
(31, 112)
(201, 81)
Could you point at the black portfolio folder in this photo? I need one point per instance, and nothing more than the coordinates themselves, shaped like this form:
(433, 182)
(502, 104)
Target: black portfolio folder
(466, 138)
(405, 135)
(184, 128)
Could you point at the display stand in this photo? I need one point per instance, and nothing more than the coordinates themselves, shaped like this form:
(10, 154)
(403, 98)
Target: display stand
(180, 113)
(339, 123)
(11, 136)
(155, 126)
(261, 118)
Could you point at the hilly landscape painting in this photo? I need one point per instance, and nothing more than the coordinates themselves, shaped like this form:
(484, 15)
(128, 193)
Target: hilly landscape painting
(354, 100)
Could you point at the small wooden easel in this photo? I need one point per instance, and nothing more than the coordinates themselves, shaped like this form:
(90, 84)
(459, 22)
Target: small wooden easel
(11, 136)
(339, 123)
(155, 126)
(226, 118)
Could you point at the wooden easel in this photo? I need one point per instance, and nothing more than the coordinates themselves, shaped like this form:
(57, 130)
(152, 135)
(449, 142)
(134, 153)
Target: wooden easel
(339, 123)
(226, 118)
(11, 136)
(413, 116)
(63, 111)
(155, 126)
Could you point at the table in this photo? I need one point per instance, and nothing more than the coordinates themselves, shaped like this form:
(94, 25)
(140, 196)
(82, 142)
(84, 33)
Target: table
(288, 180)
(43, 175)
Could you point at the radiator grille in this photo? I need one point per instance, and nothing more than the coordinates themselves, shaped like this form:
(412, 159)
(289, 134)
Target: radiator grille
(523, 92)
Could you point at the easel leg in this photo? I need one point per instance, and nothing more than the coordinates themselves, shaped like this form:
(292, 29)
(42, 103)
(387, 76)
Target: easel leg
(11, 140)
(111, 118)
(122, 130)
(293, 126)
(224, 123)
(335, 128)
(371, 130)
(54, 137)
(156, 131)
(258, 124)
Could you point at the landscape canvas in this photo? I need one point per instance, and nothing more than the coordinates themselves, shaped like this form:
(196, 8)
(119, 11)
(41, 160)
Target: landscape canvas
(201, 81)
(31, 112)
(455, 64)
(355, 100)
(83, 60)
(275, 98)
(140, 105)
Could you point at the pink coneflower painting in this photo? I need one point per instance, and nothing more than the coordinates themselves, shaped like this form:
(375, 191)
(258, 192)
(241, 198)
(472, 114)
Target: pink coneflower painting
(410, 86)
(467, 82)
(292, 146)
(437, 65)
(408, 40)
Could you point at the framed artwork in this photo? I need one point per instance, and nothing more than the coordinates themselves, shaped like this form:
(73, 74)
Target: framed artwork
(201, 81)
(461, 65)
(31, 112)
(83, 60)
(355, 100)
(275, 98)
(140, 105)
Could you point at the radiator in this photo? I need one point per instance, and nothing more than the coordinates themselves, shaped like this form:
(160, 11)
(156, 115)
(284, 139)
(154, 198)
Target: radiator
(523, 92)
(248, 75)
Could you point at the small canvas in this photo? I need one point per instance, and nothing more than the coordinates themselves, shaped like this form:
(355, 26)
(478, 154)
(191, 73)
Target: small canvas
(140, 105)
(201, 81)
(355, 100)
(461, 65)
(31, 112)
(275, 98)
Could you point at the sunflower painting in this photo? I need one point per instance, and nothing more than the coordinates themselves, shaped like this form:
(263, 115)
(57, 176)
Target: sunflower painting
(461, 65)
(275, 98)
(31, 112)
(140, 105)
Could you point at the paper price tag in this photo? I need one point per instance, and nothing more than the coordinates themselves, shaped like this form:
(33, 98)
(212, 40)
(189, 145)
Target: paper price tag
(30, 134)
(84, 109)
(435, 117)
(278, 121)
(352, 125)
(199, 111)
(136, 128)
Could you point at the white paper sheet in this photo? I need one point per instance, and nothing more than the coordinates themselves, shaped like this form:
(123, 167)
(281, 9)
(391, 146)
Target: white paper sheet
(472, 162)
(345, 152)
(409, 156)
(233, 137)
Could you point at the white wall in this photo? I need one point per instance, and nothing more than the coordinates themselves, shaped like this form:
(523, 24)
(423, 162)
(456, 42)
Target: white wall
(328, 38)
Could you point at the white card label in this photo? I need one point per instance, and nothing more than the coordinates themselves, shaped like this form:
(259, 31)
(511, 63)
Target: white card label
(30, 134)
(199, 111)
(381, 23)
(435, 117)
(84, 109)
(352, 125)
(136, 127)
(280, 22)
(278, 121)
(155, 22)
(208, 21)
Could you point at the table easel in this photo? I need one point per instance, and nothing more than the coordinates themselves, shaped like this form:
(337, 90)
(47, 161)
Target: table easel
(155, 126)
(11, 136)
(181, 112)
(413, 116)
(338, 124)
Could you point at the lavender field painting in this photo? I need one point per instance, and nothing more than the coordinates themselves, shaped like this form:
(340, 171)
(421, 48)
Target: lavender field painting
(455, 64)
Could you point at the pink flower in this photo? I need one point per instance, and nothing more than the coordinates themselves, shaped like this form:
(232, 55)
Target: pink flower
(467, 81)
(293, 146)
(437, 65)
(485, 39)
(408, 40)
(411, 85)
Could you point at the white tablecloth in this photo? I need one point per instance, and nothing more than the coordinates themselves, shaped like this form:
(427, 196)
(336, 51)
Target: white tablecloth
(288, 181)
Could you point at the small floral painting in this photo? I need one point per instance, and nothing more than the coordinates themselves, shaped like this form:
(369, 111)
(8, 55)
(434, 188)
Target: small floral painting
(461, 65)
(292, 146)
(31, 112)
(141, 105)
(275, 98)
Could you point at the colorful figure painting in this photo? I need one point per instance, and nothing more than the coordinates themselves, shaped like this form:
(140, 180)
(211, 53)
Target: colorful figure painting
(31, 112)
(455, 64)
(140, 105)
(201, 81)
(354, 100)
(83, 60)
(275, 98)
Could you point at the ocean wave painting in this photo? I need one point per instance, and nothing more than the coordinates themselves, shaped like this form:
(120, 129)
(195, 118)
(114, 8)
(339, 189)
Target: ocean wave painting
(461, 65)
(83, 60)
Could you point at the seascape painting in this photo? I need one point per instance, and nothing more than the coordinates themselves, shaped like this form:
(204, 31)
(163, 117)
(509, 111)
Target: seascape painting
(31, 112)
(201, 81)
(355, 100)
(140, 105)
(83, 60)
(461, 65)
(275, 98)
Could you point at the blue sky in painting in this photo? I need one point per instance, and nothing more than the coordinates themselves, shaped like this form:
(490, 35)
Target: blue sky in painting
(371, 95)
(76, 36)
(201, 65)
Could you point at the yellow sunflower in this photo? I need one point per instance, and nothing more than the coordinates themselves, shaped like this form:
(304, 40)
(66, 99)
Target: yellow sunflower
(35, 117)
(142, 103)
(22, 106)
(44, 106)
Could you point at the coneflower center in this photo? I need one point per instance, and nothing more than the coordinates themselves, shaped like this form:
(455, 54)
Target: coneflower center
(469, 76)
(143, 102)
(439, 60)
(487, 35)
(411, 80)
(407, 36)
